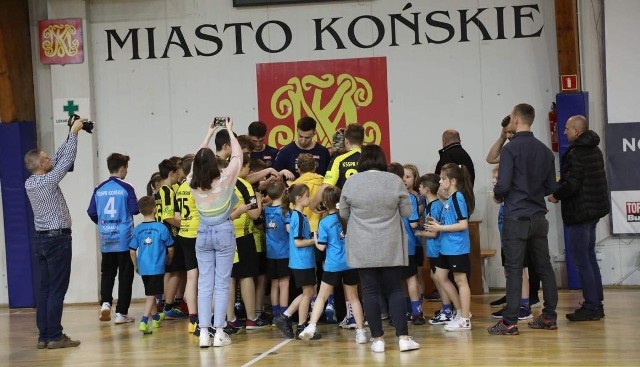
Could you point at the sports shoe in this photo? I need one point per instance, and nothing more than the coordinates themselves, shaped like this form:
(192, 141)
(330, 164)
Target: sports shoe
(283, 323)
(175, 313)
(63, 342)
(343, 323)
(191, 327)
(349, 323)
(541, 323)
(498, 314)
(500, 328)
(221, 339)
(301, 328)
(144, 328)
(418, 319)
(377, 346)
(440, 318)
(584, 314)
(105, 312)
(42, 344)
(524, 313)
(205, 339)
(601, 311)
(184, 307)
(361, 336)
(123, 319)
(535, 303)
(155, 323)
(258, 323)
(308, 332)
(267, 318)
(408, 344)
(458, 324)
(231, 328)
(330, 314)
(499, 302)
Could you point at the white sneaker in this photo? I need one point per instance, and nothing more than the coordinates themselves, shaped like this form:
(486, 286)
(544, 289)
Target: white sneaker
(361, 336)
(308, 332)
(459, 324)
(105, 312)
(123, 319)
(221, 339)
(205, 338)
(377, 346)
(408, 344)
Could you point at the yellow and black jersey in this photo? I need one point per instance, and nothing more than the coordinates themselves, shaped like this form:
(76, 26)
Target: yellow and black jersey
(342, 167)
(188, 212)
(243, 224)
(166, 205)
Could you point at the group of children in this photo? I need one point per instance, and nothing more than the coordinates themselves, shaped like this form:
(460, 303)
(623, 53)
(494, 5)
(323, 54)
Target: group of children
(277, 237)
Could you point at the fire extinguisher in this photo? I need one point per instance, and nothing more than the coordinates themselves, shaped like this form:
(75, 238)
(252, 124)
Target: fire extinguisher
(553, 127)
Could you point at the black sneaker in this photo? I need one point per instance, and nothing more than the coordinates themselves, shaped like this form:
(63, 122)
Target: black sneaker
(583, 314)
(541, 323)
(499, 302)
(300, 328)
(283, 323)
(498, 314)
(601, 311)
(418, 319)
(231, 328)
(500, 328)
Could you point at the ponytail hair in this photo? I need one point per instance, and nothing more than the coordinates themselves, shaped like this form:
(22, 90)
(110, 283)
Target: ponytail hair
(464, 183)
(292, 192)
(330, 199)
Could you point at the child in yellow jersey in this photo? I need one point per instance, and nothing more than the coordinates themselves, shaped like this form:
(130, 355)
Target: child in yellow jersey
(255, 166)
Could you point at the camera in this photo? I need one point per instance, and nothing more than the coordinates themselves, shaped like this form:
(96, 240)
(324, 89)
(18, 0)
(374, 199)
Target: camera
(86, 125)
(220, 121)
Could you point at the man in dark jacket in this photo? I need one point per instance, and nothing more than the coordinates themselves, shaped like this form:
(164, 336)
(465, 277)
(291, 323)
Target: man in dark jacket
(452, 152)
(585, 199)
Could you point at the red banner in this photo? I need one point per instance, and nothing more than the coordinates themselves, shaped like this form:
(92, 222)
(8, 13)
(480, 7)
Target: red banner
(61, 41)
(334, 92)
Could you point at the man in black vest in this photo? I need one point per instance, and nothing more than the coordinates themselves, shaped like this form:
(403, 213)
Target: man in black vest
(452, 152)
(585, 199)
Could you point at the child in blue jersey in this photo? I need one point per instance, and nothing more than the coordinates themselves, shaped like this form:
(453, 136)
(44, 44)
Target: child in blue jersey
(453, 229)
(330, 238)
(429, 188)
(302, 260)
(154, 247)
(112, 207)
(276, 220)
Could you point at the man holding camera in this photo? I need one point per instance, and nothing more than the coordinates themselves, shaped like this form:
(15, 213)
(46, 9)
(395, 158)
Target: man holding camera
(52, 241)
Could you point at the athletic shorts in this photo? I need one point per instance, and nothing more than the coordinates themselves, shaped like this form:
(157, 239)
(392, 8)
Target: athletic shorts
(177, 263)
(278, 268)
(262, 263)
(433, 261)
(336, 278)
(455, 263)
(411, 269)
(188, 246)
(153, 284)
(247, 265)
(419, 256)
(304, 277)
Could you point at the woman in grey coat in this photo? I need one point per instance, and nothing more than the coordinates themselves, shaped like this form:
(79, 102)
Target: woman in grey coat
(373, 202)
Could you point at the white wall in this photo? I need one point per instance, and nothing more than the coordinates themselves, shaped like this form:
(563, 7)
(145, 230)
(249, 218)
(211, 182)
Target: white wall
(151, 109)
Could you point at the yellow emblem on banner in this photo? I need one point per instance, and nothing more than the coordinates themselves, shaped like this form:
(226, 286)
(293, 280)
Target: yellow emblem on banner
(58, 40)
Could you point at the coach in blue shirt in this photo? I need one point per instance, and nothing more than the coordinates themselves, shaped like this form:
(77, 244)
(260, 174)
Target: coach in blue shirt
(52, 241)
(112, 207)
(526, 175)
(288, 155)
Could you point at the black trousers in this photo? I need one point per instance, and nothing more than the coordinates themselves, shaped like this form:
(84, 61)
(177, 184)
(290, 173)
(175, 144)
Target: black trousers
(386, 281)
(116, 263)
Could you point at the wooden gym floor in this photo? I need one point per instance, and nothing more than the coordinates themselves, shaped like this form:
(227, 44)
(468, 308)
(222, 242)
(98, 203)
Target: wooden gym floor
(613, 341)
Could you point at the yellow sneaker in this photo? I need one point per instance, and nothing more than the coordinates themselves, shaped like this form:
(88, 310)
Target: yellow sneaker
(192, 327)
(162, 316)
(155, 324)
(144, 328)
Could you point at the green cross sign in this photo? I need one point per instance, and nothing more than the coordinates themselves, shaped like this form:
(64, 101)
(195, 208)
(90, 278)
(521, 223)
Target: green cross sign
(71, 108)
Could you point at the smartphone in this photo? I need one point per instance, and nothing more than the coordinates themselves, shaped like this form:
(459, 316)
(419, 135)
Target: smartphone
(254, 203)
(220, 121)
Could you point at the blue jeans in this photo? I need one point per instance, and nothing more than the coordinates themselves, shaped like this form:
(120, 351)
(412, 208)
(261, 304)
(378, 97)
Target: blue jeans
(53, 253)
(582, 242)
(520, 237)
(215, 248)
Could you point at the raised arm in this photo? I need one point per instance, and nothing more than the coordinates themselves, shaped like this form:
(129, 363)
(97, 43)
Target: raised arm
(493, 156)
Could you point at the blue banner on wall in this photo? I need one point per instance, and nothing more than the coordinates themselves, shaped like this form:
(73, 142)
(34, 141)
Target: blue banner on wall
(623, 159)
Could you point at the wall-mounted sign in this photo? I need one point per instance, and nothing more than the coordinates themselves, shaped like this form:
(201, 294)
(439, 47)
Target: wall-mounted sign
(63, 108)
(61, 41)
(569, 82)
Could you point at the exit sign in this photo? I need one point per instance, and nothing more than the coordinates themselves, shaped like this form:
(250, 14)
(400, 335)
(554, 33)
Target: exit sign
(569, 83)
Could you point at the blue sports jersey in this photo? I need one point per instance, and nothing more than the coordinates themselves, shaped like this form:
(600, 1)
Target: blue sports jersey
(454, 210)
(299, 228)
(275, 226)
(413, 218)
(330, 233)
(151, 240)
(267, 155)
(288, 157)
(434, 210)
(112, 207)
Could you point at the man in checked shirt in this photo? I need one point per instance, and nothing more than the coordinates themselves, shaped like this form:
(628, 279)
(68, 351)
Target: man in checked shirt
(52, 242)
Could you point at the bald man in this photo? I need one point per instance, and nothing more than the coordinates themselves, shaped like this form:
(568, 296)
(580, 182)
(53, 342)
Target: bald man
(452, 152)
(584, 195)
